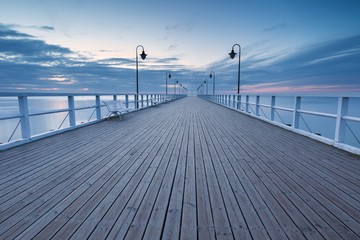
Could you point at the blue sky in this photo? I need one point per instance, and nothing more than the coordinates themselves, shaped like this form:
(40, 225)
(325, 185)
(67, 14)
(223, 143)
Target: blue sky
(89, 45)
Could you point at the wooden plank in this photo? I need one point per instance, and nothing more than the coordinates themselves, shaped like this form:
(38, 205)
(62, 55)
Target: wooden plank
(205, 221)
(172, 224)
(188, 219)
(221, 220)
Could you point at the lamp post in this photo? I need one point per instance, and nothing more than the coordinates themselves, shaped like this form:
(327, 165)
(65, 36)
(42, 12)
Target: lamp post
(206, 86)
(175, 86)
(232, 54)
(212, 73)
(143, 56)
(167, 75)
(197, 90)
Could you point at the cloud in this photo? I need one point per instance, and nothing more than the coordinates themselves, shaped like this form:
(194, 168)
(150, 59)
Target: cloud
(327, 66)
(46, 28)
(43, 27)
(275, 27)
(324, 64)
(6, 32)
(173, 47)
(30, 64)
(184, 27)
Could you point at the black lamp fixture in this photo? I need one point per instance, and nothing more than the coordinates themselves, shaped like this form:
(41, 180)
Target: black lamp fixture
(143, 55)
(232, 55)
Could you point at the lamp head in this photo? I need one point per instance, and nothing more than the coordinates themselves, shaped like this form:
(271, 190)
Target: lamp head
(210, 75)
(204, 81)
(232, 54)
(143, 55)
(169, 75)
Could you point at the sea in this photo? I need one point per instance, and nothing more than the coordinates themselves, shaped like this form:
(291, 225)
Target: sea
(10, 129)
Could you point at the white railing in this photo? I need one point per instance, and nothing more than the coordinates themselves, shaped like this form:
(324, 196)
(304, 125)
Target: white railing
(331, 119)
(67, 111)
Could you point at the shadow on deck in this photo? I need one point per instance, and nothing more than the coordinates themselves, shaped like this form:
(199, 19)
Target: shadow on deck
(188, 169)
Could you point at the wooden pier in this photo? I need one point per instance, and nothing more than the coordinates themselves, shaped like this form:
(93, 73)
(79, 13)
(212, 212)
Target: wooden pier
(188, 169)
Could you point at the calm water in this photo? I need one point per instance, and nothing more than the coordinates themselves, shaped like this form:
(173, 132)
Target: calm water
(323, 126)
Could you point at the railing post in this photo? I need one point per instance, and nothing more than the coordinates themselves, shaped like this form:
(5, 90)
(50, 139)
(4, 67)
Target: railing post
(114, 97)
(272, 108)
(342, 110)
(238, 103)
(136, 101)
(257, 106)
(71, 105)
(247, 104)
(142, 100)
(98, 108)
(25, 119)
(296, 114)
(127, 101)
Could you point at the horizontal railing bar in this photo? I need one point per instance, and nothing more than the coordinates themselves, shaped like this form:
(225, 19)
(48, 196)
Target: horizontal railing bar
(318, 113)
(37, 94)
(89, 107)
(49, 112)
(264, 105)
(355, 119)
(10, 117)
(284, 109)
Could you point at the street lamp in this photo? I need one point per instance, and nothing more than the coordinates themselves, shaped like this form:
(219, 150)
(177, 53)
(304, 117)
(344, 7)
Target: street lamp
(232, 55)
(206, 86)
(167, 75)
(143, 56)
(175, 85)
(197, 90)
(212, 73)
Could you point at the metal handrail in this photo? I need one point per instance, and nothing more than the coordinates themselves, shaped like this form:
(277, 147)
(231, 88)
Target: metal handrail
(341, 117)
(24, 115)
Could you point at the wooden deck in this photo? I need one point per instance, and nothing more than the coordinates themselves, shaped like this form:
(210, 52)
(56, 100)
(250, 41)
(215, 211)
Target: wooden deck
(189, 169)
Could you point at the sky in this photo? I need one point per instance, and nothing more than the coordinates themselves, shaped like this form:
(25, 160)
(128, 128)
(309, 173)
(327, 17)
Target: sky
(90, 45)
